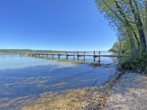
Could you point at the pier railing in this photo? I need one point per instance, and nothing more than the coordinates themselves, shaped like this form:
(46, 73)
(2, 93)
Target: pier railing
(76, 54)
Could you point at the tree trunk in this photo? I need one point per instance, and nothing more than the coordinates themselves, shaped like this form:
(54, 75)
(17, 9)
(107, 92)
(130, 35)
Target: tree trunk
(145, 29)
(120, 49)
(139, 23)
(128, 27)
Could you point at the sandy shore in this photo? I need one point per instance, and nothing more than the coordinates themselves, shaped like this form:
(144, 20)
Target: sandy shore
(121, 92)
(129, 93)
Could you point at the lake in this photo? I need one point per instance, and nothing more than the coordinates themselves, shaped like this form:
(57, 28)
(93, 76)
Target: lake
(24, 79)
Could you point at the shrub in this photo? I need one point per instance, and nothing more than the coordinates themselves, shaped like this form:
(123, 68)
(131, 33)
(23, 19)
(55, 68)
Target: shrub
(137, 63)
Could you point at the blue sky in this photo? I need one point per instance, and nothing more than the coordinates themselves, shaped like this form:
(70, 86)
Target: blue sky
(54, 25)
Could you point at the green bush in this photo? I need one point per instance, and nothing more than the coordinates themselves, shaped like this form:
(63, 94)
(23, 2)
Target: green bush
(137, 63)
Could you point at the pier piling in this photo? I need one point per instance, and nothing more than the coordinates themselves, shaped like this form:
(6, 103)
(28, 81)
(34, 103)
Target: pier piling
(74, 54)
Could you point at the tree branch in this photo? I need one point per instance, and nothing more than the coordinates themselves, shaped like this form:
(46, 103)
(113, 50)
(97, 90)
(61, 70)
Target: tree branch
(127, 23)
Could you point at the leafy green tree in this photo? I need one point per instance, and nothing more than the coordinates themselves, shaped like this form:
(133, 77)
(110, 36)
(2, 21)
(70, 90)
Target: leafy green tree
(126, 16)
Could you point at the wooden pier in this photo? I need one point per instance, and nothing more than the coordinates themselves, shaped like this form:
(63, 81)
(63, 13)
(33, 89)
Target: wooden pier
(74, 54)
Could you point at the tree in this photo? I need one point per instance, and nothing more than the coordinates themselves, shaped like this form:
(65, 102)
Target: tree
(126, 16)
(145, 29)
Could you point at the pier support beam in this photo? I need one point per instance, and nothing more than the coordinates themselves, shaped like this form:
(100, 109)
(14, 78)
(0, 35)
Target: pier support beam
(84, 55)
(58, 55)
(66, 55)
(99, 56)
(77, 55)
(94, 56)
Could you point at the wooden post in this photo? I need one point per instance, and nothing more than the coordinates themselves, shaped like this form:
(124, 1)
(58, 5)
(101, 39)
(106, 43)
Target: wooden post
(77, 55)
(94, 56)
(52, 54)
(66, 55)
(74, 55)
(58, 55)
(94, 53)
(99, 56)
(84, 55)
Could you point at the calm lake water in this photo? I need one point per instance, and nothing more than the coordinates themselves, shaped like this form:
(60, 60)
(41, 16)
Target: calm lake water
(23, 79)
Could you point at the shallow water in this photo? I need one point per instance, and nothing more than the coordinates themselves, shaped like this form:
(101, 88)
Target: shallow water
(23, 79)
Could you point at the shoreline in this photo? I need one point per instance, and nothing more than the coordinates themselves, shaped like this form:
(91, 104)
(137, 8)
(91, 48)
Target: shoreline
(74, 99)
(129, 93)
(118, 93)
(124, 90)
(99, 95)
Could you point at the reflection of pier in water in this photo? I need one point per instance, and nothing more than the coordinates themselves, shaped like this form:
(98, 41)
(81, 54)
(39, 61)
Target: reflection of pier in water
(74, 54)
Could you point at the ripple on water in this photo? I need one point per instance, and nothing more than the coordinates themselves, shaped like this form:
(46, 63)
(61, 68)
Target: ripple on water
(37, 83)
